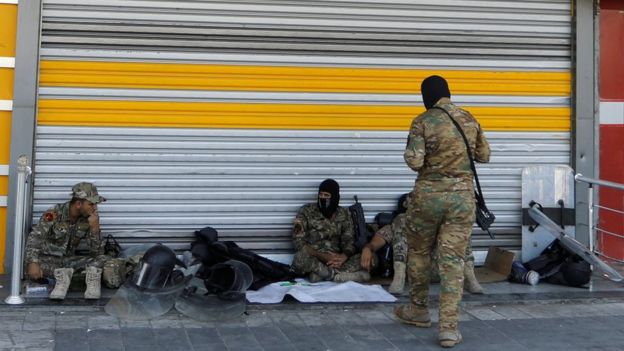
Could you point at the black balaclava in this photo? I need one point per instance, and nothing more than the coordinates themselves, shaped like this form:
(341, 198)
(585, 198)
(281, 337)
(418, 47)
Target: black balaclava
(434, 88)
(329, 206)
(401, 205)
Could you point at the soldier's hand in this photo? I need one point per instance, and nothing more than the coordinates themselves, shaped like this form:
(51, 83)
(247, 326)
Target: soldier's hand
(337, 260)
(34, 271)
(367, 258)
(94, 219)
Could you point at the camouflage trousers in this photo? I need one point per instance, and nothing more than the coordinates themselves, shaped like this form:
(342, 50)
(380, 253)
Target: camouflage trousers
(304, 264)
(117, 270)
(443, 220)
(435, 274)
(399, 247)
(397, 239)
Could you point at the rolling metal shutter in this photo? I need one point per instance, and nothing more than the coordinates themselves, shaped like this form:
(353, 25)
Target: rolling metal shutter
(247, 180)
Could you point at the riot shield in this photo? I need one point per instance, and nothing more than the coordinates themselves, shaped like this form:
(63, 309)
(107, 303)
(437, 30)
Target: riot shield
(573, 245)
(195, 302)
(132, 302)
(220, 296)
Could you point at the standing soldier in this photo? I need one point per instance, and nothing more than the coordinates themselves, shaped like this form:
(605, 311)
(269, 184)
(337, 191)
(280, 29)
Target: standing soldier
(442, 211)
(324, 240)
(52, 243)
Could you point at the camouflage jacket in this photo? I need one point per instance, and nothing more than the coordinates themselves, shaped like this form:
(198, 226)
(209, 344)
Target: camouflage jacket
(322, 234)
(393, 229)
(54, 235)
(436, 150)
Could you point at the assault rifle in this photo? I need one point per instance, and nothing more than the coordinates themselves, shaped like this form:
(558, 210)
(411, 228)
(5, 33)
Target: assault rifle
(362, 234)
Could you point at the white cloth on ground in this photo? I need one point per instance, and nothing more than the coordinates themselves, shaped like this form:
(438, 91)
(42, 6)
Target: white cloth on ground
(307, 292)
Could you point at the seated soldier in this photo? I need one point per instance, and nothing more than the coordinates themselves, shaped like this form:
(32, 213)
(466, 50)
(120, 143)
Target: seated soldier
(394, 234)
(52, 243)
(324, 240)
(390, 234)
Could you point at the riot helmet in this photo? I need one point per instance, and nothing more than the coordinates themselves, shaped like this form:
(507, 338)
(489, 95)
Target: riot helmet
(156, 268)
(153, 289)
(229, 276)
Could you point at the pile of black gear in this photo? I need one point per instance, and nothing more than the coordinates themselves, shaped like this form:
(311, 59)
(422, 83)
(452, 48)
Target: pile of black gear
(161, 281)
(211, 252)
(557, 265)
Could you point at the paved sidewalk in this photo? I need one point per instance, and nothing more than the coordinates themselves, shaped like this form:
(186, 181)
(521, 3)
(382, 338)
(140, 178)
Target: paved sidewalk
(528, 326)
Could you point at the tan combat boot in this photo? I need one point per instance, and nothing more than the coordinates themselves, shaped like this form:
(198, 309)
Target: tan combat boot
(398, 281)
(449, 338)
(359, 276)
(413, 315)
(471, 284)
(93, 280)
(63, 279)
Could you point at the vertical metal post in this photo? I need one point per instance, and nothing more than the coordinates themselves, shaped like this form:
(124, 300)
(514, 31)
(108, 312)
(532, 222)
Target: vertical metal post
(16, 272)
(585, 123)
(23, 117)
(590, 215)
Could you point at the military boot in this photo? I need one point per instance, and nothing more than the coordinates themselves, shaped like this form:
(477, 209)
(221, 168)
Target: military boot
(93, 280)
(471, 284)
(413, 315)
(323, 273)
(449, 338)
(359, 276)
(63, 279)
(398, 281)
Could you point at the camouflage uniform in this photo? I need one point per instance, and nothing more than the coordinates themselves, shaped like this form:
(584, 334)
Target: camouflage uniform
(53, 241)
(334, 235)
(394, 234)
(441, 212)
(435, 274)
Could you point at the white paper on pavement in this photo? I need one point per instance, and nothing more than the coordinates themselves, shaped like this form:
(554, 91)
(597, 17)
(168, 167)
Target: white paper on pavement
(304, 291)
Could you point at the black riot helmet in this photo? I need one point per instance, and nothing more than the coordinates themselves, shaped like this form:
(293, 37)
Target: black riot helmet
(156, 267)
(433, 88)
(328, 206)
(229, 276)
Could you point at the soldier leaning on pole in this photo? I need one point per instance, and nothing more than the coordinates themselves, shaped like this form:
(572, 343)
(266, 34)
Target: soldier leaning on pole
(51, 245)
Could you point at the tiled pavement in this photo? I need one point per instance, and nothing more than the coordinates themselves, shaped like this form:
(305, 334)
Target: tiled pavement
(583, 325)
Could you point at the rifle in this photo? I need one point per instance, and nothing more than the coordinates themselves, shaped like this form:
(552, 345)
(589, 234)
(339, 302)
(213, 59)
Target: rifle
(362, 235)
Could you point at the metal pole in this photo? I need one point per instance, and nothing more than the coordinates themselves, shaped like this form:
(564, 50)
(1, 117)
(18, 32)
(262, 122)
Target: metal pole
(590, 213)
(580, 178)
(16, 272)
